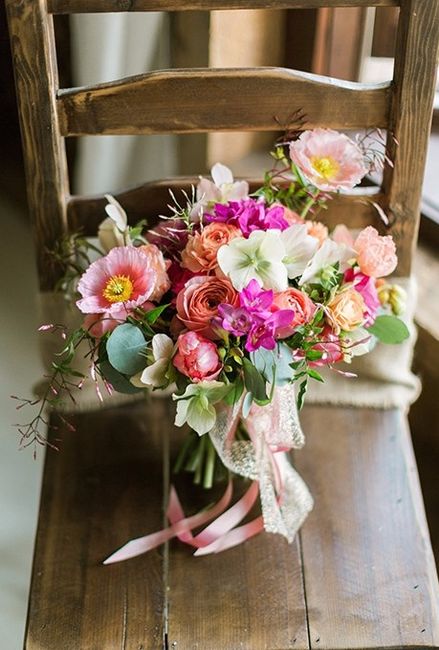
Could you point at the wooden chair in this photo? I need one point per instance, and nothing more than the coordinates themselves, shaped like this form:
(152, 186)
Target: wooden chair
(361, 572)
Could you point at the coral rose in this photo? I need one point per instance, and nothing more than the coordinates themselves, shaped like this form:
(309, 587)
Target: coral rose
(197, 302)
(301, 305)
(376, 254)
(318, 230)
(201, 248)
(346, 310)
(197, 357)
(158, 264)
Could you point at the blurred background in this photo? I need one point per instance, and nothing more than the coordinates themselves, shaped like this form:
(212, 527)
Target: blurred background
(355, 44)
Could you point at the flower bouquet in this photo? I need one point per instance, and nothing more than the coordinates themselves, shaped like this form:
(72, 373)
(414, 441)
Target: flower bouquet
(232, 303)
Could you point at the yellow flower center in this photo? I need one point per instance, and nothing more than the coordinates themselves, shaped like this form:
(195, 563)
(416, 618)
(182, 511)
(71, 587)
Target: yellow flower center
(118, 289)
(326, 167)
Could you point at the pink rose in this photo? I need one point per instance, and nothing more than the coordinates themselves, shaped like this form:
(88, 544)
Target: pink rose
(376, 254)
(365, 285)
(297, 301)
(202, 247)
(330, 160)
(197, 357)
(197, 302)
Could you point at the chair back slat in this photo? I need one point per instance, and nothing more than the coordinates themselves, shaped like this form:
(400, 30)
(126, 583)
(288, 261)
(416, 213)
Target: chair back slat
(149, 200)
(218, 99)
(261, 99)
(100, 6)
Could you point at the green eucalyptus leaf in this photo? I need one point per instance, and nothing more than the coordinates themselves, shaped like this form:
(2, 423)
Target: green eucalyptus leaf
(124, 348)
(246, 405)
(120, 383)
(389, 329)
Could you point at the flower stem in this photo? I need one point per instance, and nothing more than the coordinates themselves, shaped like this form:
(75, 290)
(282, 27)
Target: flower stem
(210, 465)
(199, 460)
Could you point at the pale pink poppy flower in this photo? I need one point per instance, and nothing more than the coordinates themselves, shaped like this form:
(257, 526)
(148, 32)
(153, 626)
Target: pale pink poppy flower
(329, 160)
(376, 254)
(122, 279)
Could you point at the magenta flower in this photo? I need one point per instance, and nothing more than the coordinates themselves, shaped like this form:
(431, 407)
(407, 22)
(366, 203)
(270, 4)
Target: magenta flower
(237, 320)
(255, 299)
(263, 332)
(124, 279)
(249, 215)
(365, 285)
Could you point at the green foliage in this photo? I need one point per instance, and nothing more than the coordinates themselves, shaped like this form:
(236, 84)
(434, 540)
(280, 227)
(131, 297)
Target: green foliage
(389, 329)
(119, 382)
(126, 346)
(254, 382)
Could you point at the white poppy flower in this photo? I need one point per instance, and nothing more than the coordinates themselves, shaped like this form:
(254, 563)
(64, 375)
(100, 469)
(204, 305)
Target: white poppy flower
(155, 375)
(257, 258)
(299, 247)
(328, 254)
(113, 231)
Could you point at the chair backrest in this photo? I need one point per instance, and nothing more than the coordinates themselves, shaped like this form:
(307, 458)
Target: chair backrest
(222, 100)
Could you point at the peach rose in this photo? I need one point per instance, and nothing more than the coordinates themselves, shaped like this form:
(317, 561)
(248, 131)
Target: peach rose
(317, 230)
(202, 247)
(376, 254)
(197, 302)
(158, 264)
(290, 216)
(346, 310)
(300, 303)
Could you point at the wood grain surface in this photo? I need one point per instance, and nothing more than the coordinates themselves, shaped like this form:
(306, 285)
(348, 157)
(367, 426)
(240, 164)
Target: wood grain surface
(360, 575)
(89, 6)
(36, 78)
(232, 100)
(150, 200)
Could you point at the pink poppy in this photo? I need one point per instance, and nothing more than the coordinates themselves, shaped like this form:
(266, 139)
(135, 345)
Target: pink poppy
(330, 160)
(123, 279)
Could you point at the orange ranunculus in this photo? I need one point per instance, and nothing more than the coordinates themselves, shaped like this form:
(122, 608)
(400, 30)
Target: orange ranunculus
(201, 249)
(197, 302)
(346, 310)
(300, 303)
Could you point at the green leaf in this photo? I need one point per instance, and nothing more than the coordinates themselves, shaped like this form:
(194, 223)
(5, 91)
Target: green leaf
(254, 381)
(235, 392)
(124, 348)
(315, 375)
(120, 383)
(274, 363)
(389, 329)
(152, 315)
(301, 394)
(313, 355)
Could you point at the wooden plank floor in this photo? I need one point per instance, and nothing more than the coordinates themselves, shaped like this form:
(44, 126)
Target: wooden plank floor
(360, 575)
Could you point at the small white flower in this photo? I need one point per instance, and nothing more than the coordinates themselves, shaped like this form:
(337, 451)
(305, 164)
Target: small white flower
(328, 254)
(155, 375)
(195, 406)
(357, 343)
(299, 248)
(257, 258)
(114, 231)
(222, 189)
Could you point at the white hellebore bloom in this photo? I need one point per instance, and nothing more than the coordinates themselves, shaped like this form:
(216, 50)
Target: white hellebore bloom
(195, 406)
(113, 231)
(357, 343)
(257, 258)
(155, 375)
(222, 189)
(328, 254)
(299, 247)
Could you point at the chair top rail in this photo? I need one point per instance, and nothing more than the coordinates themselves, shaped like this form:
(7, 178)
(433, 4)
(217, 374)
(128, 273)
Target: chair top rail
(100, 6)
(255, 99)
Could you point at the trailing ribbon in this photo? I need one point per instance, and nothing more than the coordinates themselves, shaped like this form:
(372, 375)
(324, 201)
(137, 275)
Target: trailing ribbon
(285, 500)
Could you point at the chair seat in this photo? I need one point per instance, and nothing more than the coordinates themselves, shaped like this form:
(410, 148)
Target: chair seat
(360, 574)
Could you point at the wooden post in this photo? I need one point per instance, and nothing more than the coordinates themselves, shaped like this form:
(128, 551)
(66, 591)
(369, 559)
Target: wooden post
(36, 77)
(414, 85)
